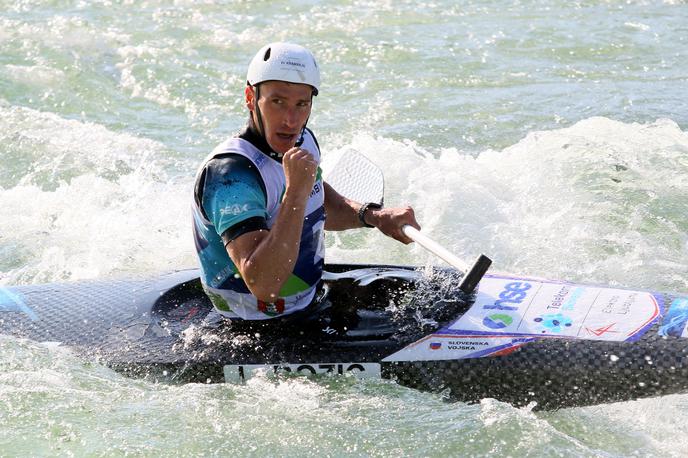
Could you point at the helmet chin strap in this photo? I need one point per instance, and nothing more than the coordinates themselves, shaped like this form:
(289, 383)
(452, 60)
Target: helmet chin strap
(299, 142)
(256, 94)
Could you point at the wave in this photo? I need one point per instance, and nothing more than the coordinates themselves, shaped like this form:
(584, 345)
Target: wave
(80, 201)
(600, 201)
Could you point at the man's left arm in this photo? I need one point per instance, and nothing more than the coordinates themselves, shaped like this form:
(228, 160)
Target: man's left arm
(342, 214)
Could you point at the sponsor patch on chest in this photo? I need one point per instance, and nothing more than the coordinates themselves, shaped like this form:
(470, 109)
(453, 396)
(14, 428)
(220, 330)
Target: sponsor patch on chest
(234, 209)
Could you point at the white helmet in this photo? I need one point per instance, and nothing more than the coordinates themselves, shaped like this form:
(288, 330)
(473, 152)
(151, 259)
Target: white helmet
(284, 62)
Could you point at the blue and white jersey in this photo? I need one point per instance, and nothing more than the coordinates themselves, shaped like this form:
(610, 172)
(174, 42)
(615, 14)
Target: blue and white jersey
(239, 189)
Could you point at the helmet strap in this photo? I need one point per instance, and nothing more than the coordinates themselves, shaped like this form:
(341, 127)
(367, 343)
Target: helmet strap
(299, 142)
(259, 118)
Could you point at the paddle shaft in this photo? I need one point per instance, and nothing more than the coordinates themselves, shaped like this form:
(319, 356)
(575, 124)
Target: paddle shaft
(355, 176)
(434, 247)
(472, 274)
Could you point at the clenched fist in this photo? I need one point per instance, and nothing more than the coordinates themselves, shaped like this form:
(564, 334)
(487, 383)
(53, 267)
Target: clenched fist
(300, 169)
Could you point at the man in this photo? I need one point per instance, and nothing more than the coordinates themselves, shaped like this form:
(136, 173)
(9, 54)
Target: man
(261, 204)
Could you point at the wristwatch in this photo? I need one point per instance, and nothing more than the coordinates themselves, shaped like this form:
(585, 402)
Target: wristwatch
(362, 211)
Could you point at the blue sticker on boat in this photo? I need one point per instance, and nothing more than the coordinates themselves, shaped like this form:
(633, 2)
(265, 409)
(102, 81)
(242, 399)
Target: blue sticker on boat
(12, 302)
(674, 323)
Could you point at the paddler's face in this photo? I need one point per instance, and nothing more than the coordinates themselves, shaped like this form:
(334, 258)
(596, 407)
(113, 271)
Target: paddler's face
(284, 109)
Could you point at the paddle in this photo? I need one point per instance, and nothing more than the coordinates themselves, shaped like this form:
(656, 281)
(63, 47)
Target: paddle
(357, 178)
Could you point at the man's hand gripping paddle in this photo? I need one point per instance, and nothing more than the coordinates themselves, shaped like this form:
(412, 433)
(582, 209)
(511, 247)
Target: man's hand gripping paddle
(355, 177)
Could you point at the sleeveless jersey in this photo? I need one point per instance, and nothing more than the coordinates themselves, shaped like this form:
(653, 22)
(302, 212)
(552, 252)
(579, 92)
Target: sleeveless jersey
(220, 277)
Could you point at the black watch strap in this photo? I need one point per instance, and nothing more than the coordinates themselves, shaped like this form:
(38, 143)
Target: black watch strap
(362, 211)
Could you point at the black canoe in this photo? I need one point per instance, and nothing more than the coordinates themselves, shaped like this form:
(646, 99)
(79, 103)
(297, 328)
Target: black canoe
(410, 325)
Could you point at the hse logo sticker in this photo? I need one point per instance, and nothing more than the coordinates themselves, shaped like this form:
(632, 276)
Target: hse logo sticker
(511, 297)
(497, 321)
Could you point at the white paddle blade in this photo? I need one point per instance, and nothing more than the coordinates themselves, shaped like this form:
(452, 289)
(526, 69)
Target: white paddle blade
(358, 179)
(355, 177)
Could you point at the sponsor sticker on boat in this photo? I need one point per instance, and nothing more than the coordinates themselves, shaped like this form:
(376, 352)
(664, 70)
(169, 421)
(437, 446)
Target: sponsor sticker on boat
(510, 312)
(520, 307)
(437, 347)
(675, 322)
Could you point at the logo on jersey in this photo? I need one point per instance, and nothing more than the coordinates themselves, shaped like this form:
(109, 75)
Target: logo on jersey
(234, 210)
(271, 308)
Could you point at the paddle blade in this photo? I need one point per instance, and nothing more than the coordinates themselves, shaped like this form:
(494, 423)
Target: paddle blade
(357, 178)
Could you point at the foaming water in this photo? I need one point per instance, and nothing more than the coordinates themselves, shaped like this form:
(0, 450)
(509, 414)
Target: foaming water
(79, 200)
(57, 404)
(594, 185)
(612, 192)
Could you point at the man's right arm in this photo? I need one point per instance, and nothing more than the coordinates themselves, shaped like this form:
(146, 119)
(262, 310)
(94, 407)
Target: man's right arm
(266, 259)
